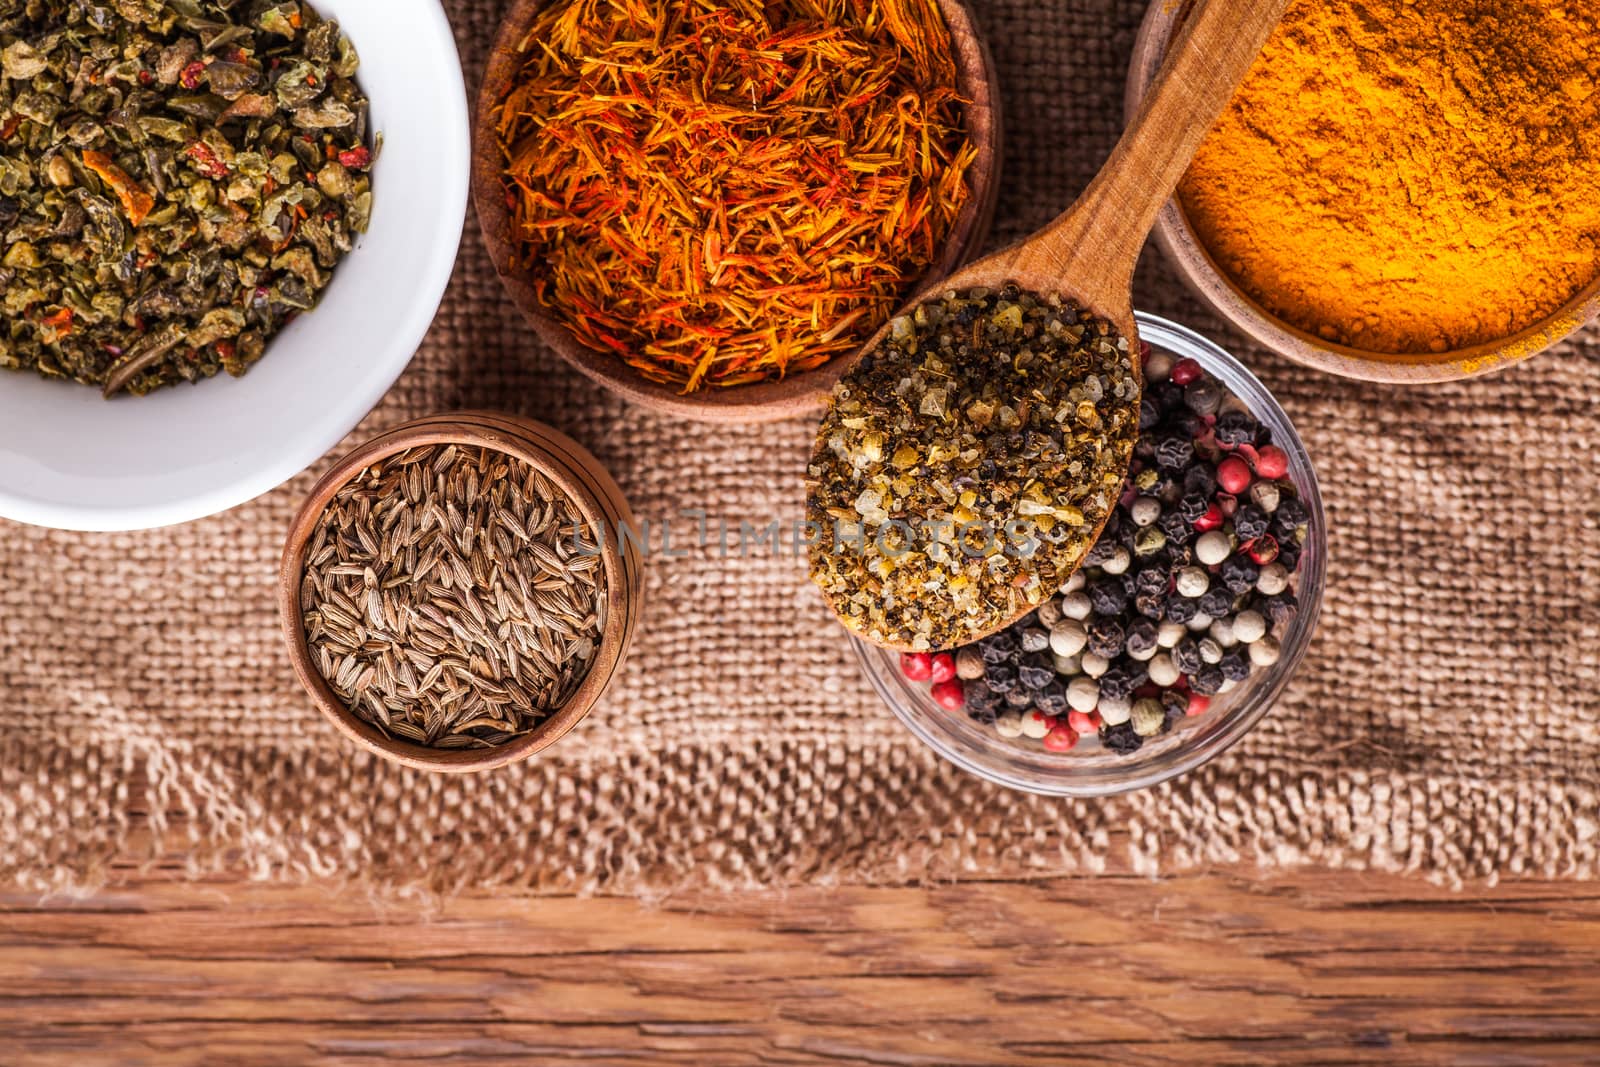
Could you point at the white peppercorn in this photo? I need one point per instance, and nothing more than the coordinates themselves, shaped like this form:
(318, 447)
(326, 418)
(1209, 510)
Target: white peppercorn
(1156, 366)
(1223, 633)
(1075, 583)
(1163, 671)
(1068, 637)
(1143, 653)
(1213, 547)
(1119, 561)
(1265, 652)
(1144, 510)
(1249, 626)
(1210, 651)
(1093, 665)
(1274, 579)
(1227, 686)
(1265, 495)
(1193, 582)
(1008, 724)
(1035, 639)
(969, 663)
(1076, 605)
(1114, 711)
(1083, 694)
(1033, 725)
(1170, 633)
(1049, 612)
(1148, 717)
(1067, 665)
(1200, 623)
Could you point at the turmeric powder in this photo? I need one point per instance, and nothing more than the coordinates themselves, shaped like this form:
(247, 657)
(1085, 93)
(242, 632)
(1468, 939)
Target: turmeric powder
(1411, 176)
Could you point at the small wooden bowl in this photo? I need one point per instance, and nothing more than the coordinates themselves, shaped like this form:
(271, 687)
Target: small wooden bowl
(1211, 283)
(576, 473)
(800, 394)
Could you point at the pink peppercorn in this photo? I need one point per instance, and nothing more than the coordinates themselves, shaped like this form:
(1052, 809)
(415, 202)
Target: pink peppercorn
(1210, 520)
(1061, 739)
(1081, 722)
(1264, 550)
(1273, 462)
(1198, 705)
(1233, 475)
(942, 668)
(951, 695)
(1185, 371)
(917, 666)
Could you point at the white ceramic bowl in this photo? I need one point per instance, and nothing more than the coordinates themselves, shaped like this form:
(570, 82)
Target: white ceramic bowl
(70, 459)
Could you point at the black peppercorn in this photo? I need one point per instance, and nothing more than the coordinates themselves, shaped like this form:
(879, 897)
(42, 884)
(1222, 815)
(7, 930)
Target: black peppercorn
(1289, 556)
(997, 649)
(1101, 552)
(1178, 529)
(1149, 414)
(1151, 605)
(1152, 579)
(1201, 480)
(1217, 602)
(1175, 452)
(1235, 665)
(1175, 704)
(1168, 396)
(1106, 637)
(1141, 637)
(1281, 608)
(1207, 681)
(1121, 739)
(1001, 677)
(1239, 573)
(1194, 505)
(1108, 596)
(1186, 656)
(1052, 699)
(1291, 513)
(980, 697)
(1236, 428)
(983, 715)
(1182, 608)
(1019, 698)
(1036, 671)
(1250, 522)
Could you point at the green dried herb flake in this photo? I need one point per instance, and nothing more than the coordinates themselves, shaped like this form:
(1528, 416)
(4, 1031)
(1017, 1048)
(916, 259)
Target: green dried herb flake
(178, 180)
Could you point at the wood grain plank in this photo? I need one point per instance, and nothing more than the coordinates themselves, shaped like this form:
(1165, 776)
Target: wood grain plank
(1228, 967)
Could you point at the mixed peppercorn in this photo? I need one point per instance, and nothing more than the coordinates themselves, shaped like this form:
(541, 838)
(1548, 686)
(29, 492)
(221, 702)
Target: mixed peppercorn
(1178, 602)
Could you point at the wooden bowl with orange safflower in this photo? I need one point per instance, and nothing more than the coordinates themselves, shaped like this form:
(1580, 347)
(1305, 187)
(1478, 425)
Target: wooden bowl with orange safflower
(708, 211)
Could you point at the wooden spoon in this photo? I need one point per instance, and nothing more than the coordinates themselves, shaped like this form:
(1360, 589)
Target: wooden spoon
(1088, 254)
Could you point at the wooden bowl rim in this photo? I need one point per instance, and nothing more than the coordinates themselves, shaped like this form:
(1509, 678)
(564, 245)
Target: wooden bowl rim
(1216, 287)
(564, 462)
(804, 392)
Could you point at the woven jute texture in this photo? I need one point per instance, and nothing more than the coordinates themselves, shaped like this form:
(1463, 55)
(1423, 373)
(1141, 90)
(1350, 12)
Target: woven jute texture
(1445, 723)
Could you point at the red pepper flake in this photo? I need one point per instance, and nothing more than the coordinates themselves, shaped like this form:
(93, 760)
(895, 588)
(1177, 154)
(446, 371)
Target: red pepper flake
(60, 322)
(145, 77)
(190, 78)
(205, 161)
(225, 349)
(135, 201)
(357, 158)
(9, 127)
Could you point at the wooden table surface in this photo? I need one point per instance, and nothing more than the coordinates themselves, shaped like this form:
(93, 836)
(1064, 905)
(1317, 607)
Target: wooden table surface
(1223, 967)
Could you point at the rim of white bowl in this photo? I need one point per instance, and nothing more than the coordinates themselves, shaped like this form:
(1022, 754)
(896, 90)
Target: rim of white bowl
(331, 426)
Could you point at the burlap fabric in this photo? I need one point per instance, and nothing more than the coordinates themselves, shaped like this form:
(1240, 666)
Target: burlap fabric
(1445, 723)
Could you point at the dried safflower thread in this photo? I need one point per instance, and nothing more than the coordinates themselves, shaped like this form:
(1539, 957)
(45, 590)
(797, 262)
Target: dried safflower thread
(966, 465)
(722, 193)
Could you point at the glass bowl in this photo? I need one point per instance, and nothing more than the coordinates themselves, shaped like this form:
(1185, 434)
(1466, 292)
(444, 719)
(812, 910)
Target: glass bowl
(1090, 770)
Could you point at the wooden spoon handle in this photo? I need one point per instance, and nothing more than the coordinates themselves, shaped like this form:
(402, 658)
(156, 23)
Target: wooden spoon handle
(1096, 243)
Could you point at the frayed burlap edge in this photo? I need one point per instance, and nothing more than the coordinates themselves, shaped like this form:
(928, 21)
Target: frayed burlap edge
(765, 817)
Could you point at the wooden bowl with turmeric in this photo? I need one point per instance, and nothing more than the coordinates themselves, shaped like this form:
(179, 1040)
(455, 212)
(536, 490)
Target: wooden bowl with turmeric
(1375, 207)
(708, 209)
